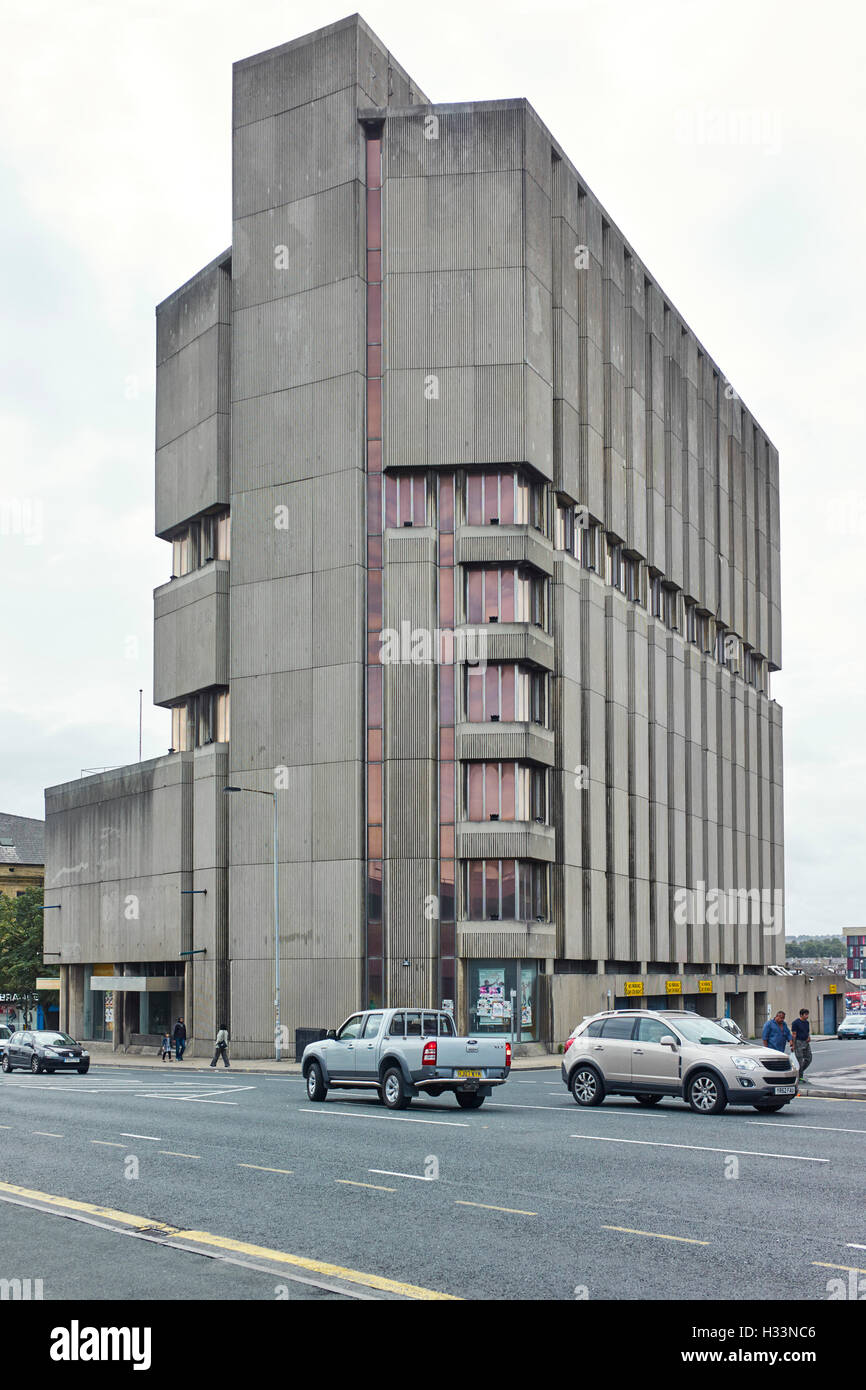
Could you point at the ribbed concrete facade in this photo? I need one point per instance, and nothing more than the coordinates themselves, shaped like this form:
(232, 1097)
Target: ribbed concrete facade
(426, 302)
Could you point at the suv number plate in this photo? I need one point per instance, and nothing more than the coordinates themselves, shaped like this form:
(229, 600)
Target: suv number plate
(784, 1090)
(476, 1074)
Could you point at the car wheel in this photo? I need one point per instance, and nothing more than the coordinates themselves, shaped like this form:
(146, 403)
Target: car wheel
(771, 1109)
(6, 1064)
(316, 1088)
(35, 1065)
(393, 1091)
(469, 1100)
(705, 1094)
(648, 1100)
(587, 1086)
(82, 1071)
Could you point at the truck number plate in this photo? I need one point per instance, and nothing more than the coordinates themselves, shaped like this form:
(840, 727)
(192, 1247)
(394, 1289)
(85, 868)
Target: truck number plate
(476, 1074)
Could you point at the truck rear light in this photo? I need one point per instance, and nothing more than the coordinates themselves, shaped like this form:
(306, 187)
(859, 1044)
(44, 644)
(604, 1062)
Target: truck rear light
(428, 1057)
(508, 1054)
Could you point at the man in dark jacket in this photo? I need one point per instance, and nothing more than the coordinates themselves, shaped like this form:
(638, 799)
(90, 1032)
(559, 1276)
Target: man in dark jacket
(180, 1039)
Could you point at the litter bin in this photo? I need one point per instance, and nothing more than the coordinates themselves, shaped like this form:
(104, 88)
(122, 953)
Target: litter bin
(304, 1036)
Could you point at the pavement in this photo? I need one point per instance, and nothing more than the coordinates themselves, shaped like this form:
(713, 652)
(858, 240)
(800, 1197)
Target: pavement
(842, 1083)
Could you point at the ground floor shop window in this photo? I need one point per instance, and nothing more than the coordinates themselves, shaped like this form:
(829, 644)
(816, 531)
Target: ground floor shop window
(98, 1014)
(490, 1002)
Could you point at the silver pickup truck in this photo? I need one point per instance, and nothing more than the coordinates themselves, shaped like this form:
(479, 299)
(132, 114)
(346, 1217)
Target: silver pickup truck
(403, 1053)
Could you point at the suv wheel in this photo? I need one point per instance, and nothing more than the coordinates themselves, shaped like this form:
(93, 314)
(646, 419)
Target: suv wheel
(587, 1086)
(316, 1088)
(705, 1093)
(469, 1100)
(648, 1100)
(393, 1091)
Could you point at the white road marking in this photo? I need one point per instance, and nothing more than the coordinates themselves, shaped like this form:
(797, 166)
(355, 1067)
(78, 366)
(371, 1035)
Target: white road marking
(823, 1129)
(852, 1246)
(389, 1173)
(698, 1148)
(400, 1119)
(157, 1139)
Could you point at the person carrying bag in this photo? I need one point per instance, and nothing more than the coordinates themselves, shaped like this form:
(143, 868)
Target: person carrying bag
(221, 1047)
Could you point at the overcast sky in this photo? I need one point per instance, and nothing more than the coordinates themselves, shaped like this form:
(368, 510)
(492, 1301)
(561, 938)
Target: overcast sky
(727, 143)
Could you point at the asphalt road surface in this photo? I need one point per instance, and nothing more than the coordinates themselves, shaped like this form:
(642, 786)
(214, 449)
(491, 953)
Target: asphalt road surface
(135, 1185)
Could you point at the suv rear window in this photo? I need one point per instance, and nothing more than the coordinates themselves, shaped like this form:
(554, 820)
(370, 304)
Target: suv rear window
(594, 1029)
(617, 1028)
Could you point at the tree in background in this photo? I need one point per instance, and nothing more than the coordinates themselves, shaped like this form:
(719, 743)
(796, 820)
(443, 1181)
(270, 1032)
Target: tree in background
(815, 947)
(21, 926)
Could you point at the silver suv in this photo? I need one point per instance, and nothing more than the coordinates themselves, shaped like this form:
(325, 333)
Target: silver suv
(649, 1054)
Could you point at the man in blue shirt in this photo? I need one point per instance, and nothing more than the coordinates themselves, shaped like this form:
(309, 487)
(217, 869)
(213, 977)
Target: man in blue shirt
(776, 1033)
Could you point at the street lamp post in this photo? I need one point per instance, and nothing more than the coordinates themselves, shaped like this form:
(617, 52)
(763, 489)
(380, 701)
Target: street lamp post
(278, 1050)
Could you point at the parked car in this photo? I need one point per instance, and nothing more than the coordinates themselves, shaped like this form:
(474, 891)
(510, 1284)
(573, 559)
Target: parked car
(650, 1054)
(5, 1035)
(731, 1027)
(852, 1026)
(402, 1053)
(44, 1051)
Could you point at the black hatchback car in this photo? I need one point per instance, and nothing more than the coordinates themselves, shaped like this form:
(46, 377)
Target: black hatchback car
(44, 1051)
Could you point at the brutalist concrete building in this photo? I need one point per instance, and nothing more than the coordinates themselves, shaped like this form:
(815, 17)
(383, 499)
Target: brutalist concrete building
(475, 566)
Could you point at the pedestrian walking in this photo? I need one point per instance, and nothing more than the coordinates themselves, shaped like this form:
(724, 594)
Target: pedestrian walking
(776, 1033)
(221, 1047)
(802, 1041)
(179, 1039)
(166, 1047)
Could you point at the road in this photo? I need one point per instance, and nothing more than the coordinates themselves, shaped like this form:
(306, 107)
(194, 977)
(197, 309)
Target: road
(530, 1194)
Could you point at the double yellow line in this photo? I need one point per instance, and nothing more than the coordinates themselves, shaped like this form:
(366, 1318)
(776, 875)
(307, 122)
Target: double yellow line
(238, 1247)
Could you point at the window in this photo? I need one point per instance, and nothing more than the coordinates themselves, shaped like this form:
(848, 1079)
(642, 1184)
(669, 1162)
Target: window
(512, 694)
(589, 537)
(656, 595)
(507, 791)
(633, 587)
(671, 607)
(201, 719)
(506, 890)
(350, 1029)
(397, 1026)
(205, 538)
(691, 610)
(372, 1026)
(613, 573)
(446, 1027)
(405, 499)
(594, 1029)
(651, 1030)
(617, 1027)
(505, 594)
(504, 498)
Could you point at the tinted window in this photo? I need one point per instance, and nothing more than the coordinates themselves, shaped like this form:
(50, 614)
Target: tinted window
(351, 1028)
(617, 1028)
(396, 1026)
(594, 1029)
(430, 1025)
(413, 1025)
(371, 1027)
(446, 1026)
(651, 1030)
